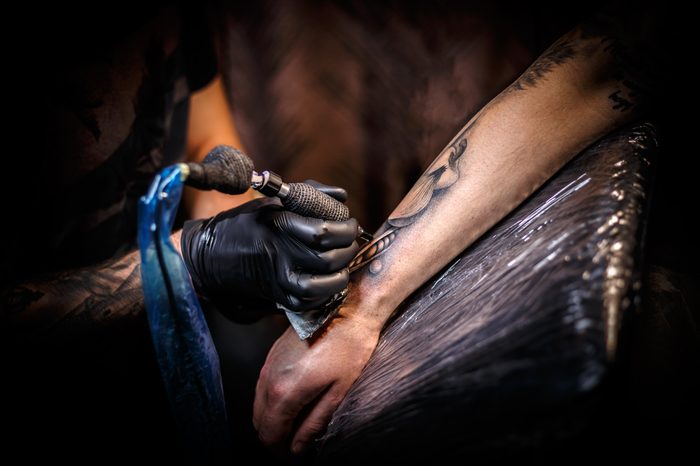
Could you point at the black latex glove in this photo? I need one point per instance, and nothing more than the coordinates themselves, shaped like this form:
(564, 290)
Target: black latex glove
(259, 254)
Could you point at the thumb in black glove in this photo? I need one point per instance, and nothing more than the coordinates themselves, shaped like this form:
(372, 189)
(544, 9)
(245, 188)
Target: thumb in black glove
(260, 253)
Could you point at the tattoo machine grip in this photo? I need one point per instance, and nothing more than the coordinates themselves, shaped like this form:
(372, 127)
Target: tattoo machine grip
(230, 171)
(306, 200)
(301, 198)
(224, 169)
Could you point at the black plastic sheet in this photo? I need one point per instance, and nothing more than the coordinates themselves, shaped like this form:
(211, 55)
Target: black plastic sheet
(509, 345)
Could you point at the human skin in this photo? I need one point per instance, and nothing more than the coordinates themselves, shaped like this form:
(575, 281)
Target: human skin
(577, 91)
(81, 300)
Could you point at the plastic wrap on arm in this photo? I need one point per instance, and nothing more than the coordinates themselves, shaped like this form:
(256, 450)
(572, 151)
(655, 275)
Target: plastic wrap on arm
(504, 348)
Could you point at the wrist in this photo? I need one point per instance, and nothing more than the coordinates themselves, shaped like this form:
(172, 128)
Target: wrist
(367, 307)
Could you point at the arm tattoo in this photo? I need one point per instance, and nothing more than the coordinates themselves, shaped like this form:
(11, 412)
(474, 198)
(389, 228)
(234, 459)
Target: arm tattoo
(632, 52)
(597, 42)
(631, 78)
(437, 179)
(620, 102)
(559, 53)
(18, 298)
(81, 298)
(630, 56)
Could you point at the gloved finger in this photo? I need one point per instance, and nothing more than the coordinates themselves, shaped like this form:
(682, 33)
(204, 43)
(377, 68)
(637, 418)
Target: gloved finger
(296, 304)
(316, 233)
(336, 192)
(327, 261)
(309, 286)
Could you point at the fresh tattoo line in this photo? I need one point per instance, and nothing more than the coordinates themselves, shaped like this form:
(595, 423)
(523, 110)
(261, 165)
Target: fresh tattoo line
(437, 179)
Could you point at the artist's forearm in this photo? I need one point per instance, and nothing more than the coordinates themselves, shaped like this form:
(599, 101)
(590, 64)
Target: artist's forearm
(210, 124)
(76, 300)
(566, 101)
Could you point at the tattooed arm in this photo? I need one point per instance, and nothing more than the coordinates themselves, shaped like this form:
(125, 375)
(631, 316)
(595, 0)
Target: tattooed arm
(210, 123)
(572, 95)
(75, 301)
(78, 300)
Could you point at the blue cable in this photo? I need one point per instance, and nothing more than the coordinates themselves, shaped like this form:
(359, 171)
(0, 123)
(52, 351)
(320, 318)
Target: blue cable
(189, 363)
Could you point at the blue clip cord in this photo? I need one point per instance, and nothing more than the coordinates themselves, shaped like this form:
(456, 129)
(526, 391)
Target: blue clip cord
(186, 354)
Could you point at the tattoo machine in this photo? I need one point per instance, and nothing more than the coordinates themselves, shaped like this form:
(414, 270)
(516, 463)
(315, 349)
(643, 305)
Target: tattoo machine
(188, 360)
(230, 171)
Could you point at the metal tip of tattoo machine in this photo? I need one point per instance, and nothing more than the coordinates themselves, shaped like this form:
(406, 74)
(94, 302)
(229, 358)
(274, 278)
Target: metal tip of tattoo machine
(364, 235)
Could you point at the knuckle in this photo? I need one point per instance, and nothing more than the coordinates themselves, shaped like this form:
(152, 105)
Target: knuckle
(303, 284)
(276, 393)
(322, 235)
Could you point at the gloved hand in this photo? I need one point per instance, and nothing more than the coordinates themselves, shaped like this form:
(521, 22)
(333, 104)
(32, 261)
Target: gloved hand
(259, 253)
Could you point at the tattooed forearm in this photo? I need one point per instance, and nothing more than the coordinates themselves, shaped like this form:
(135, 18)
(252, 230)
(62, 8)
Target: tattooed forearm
(372, 250)
(16, 299)
(623, 54)
(560, 52)
(598, 59)
(84, 298)
(631, 42)
(438, 178)
(620, 101)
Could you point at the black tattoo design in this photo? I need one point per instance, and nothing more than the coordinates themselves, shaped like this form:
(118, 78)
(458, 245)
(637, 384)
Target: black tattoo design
(560, 52)
(17, 299)
(619, 101)
(373, 249)
(627, 67)
(634, 54)
(441, 174)
(86, 297)
(114, 289)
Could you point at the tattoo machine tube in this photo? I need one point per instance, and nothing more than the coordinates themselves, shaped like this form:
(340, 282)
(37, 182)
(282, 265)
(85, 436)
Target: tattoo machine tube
(230, 171)
(189, 363)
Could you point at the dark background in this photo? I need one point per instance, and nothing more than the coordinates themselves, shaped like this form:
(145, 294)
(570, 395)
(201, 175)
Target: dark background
(362, 95)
